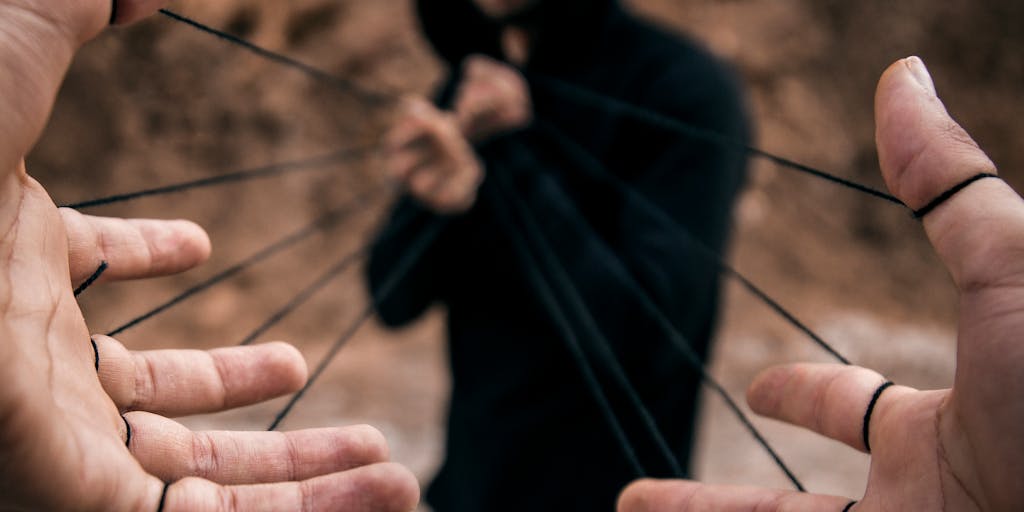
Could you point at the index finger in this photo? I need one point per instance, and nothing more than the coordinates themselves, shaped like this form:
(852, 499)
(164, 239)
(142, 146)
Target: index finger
(132, 248)
(182, 382)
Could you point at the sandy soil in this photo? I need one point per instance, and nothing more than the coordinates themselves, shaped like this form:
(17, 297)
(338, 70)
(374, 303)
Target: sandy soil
(157, 103)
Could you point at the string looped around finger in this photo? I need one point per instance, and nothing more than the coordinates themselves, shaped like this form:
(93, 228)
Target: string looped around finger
(92, 279)
(127, 433)
(95, 354)
(163, 497)
(866, 427)
(947, 195)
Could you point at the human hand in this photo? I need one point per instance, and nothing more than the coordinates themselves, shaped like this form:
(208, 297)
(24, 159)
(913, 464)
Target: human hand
(958, 449)
(493, 98)
(428, 153)
(62, 436)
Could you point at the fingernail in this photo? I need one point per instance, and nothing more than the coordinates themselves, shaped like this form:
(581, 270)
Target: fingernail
(920, 73)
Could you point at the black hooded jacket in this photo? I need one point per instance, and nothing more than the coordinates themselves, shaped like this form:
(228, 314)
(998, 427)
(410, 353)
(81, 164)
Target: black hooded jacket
(524, 433)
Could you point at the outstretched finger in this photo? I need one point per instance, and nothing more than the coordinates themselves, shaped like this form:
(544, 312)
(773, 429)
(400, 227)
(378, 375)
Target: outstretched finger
(132, 248)
(376, 488)
(171, 452)
(685, 496)
(184, 382)
(835, 401)
(925, 155)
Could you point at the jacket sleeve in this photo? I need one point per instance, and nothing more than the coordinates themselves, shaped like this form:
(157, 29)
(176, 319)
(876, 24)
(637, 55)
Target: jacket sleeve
(423, 283)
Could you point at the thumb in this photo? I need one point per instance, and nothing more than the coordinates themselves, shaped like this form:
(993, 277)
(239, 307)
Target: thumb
(924, 153)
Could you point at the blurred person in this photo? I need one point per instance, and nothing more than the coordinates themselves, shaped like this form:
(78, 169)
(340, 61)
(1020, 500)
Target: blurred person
(958, 449)
(83, 423)
(523, 432)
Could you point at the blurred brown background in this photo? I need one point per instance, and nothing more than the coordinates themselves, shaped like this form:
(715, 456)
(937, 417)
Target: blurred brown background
(158, 103)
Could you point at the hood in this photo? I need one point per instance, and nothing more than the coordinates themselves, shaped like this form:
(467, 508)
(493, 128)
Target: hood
(457, 28)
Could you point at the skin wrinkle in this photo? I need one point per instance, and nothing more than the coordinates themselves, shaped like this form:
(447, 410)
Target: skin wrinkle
(32, 77)
(232, 504)
(292, 458)
(967, 279)
(50, 337)
(205, 460)
(900, 183)
(820, 403)
(143, 388)
(307, 496)
(994, 309)
(942, 455)
(100, 239)
(222, 380)
(768, 503)
(49, 17)
(959, 135)
(9, 240)
(989, 284)
(150, 252)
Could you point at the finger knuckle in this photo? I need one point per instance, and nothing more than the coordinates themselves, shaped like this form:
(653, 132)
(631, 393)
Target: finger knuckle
(205, 456)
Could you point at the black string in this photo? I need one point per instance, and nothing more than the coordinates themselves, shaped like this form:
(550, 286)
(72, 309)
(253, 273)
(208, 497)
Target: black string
(781, 311)
(413, 253)
(113, 12)
(570, 91)
(947, 195)
(92, 279)
(310, 164)
(679, 340)
(586, 96)
(866, 426)
(606, 102)
(365, 315)
(163, 497)
(128, 433)
(582, 313)
(95, 355)
(594, 169)
(550, 303)
(365, 95)
(323, 222)
(849, 506)
(305, 294)
(319, 283)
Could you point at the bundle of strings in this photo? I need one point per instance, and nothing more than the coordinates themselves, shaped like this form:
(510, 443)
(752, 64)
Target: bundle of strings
(555, 289)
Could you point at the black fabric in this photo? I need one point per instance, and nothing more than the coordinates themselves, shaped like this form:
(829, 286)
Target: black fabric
(523, 433)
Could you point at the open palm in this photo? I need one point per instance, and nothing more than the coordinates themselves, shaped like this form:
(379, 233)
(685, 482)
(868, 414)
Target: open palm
(83, 422)
(960, 449)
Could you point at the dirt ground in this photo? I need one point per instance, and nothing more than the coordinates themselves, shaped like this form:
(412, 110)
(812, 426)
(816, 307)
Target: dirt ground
(157, 103)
